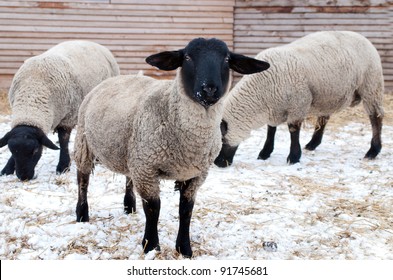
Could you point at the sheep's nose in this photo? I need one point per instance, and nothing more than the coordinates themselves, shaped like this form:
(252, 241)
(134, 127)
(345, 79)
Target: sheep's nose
(25, 176)
(209, 90)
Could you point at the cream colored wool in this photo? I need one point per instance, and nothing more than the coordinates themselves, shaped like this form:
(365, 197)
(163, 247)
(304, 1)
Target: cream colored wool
(147, 129)
(47, 90)
(316, 75)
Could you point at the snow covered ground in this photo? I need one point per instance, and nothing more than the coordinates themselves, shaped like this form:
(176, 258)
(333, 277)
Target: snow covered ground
(332, 205)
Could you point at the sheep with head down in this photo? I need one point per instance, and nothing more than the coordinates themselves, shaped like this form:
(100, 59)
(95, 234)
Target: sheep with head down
(45, 96)
(317, 75)
(151, 129)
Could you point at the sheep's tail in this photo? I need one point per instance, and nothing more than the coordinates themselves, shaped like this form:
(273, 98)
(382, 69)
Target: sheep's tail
(84, 158)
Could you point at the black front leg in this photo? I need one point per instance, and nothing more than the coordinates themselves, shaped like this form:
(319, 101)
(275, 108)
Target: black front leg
(295, 149)
(186, 205)
(269, 143)
(152, 212)
(226, 155)
(64, 160)
(9, 168)
(129, 197)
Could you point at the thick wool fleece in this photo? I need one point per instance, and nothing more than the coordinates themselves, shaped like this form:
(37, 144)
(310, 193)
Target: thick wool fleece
(319, 74)
(47, 90)
(147, 129)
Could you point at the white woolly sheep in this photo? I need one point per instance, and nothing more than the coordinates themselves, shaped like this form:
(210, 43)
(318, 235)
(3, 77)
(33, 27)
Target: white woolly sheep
(45, 95)
(151, 129)
(318, 75)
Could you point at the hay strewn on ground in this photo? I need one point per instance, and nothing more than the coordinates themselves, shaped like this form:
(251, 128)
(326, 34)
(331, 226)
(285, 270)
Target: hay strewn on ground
(332, 205)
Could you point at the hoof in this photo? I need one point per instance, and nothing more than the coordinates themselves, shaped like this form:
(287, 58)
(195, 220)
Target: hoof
(62, 169)
(222, 163)
(293, 159)
(372, 153)
(310, 147)
(150, 246)
(129, 204)
(82, 213)
(264, 155)
(129, 210)
(184, 249)
(226, 155)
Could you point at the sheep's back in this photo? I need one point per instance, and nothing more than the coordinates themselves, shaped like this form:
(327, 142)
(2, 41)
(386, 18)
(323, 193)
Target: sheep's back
(50, 87)
(108, 115)
(90, 62)
(336, 64)
(318, 74)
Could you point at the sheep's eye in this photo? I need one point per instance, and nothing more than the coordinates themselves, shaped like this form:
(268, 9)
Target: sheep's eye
(187, 57)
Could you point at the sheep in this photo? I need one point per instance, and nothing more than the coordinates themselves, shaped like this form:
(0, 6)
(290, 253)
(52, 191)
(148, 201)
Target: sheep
(148, 129)
(317, 75)
(45, 95)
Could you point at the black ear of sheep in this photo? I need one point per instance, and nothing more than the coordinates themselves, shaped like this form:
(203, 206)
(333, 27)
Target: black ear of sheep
(45, 141)
(168, 60)
(246, 65)
(4, 140)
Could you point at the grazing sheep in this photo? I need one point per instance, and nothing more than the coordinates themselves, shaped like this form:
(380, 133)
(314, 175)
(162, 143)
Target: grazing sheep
(317, 75)
(45, 95)
(151, 129)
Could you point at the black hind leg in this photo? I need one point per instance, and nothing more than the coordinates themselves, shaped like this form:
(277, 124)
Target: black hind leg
(295, 149)
(129, 197)
(82, 207)
(376, 143)
(318, 133)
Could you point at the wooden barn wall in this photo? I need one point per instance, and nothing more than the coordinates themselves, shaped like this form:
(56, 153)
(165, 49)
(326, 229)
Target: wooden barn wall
(131, 29)
(134, 29)
(262, 24)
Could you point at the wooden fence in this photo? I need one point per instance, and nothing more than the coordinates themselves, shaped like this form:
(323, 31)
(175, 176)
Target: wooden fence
(134, 29)
(131, 29)
(263, 24)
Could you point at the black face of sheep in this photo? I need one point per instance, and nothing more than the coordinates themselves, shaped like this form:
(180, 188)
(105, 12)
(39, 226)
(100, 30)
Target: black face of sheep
(205, 68)
(25, 144)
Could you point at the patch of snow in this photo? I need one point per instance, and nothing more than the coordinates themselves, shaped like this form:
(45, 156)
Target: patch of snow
(331, 205)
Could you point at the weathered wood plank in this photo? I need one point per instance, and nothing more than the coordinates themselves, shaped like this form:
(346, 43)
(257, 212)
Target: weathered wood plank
(292, 34)
(333, 10)
(168, 26)
(124, 30)
(176, 2)
(381, 14)
(103, 37)
(110, 8)
(263, 24)
(68, 1)
(119, 20)
(294, 3)
(131, 29)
